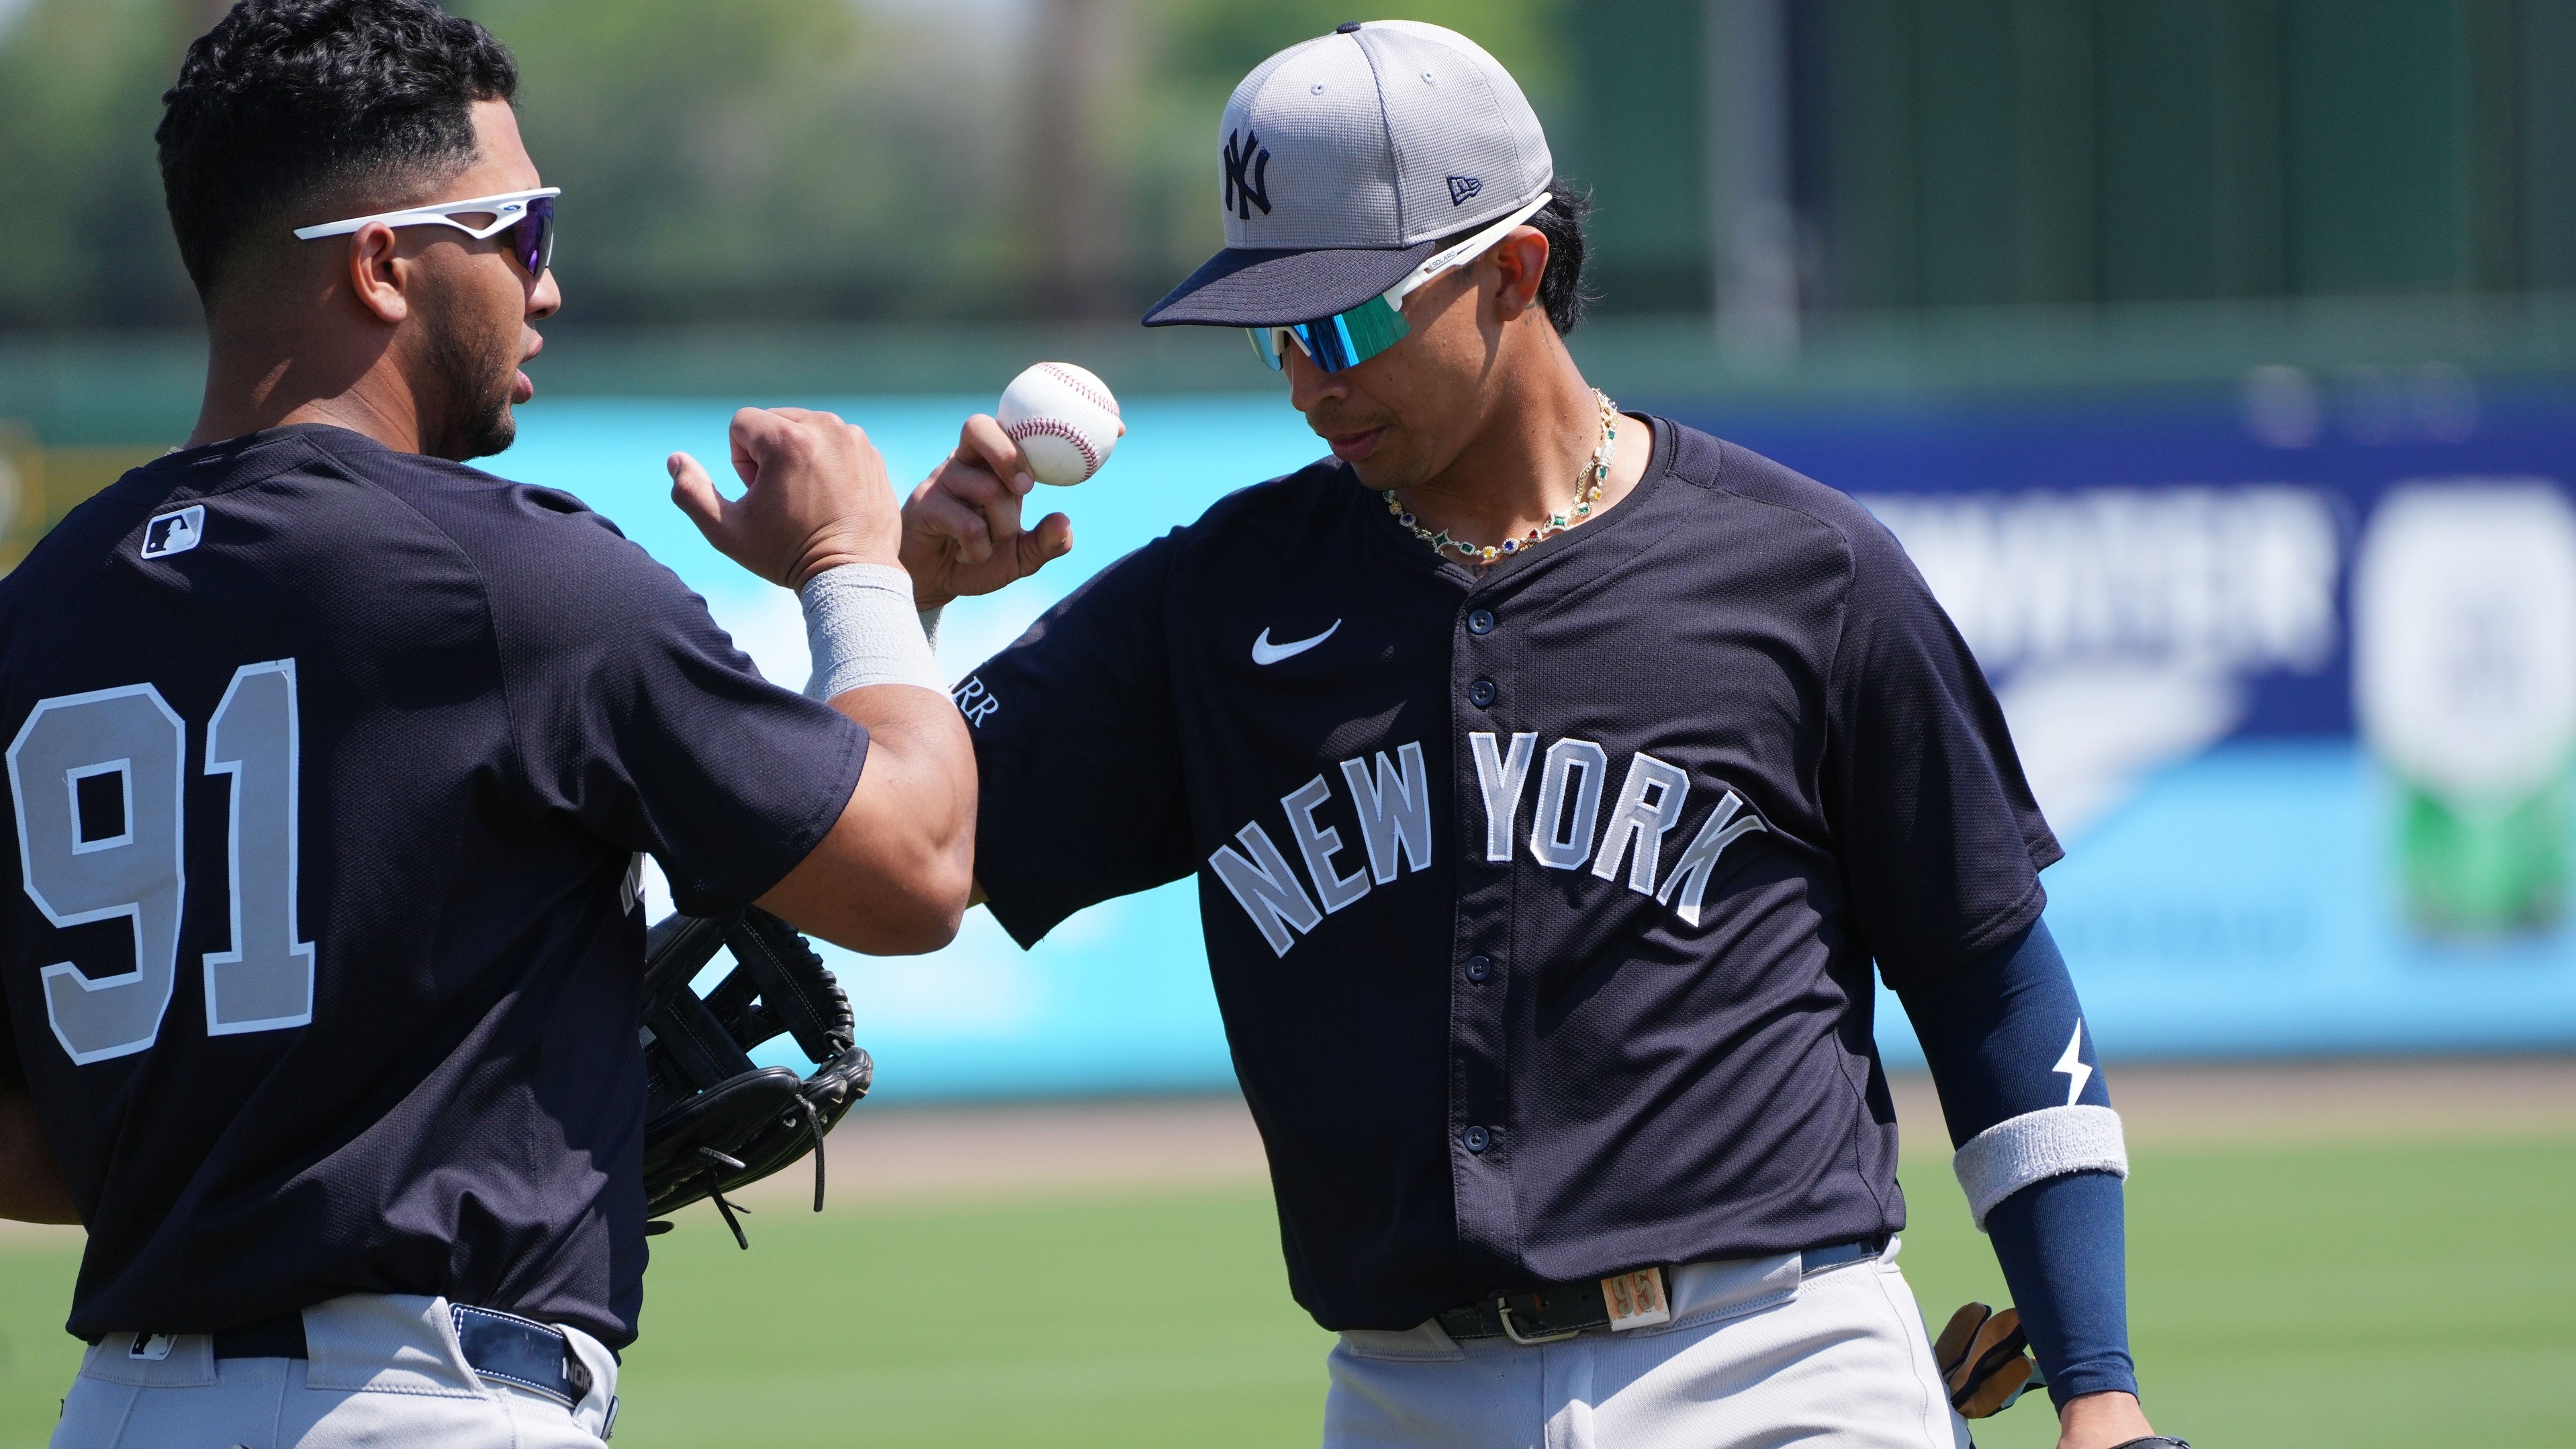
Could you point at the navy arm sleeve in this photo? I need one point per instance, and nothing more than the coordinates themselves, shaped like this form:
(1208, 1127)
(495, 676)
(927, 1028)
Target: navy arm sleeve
(2009, 1052)
(1079, 753)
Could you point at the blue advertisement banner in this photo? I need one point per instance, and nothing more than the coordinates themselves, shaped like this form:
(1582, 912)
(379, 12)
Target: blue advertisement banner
(2291, 666)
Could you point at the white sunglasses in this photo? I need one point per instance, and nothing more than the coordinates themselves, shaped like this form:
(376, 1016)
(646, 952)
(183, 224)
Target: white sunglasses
(532, 213)
(1354, 335)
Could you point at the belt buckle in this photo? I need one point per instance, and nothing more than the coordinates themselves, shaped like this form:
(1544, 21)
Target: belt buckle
(1503, 1310)
(1636, 1300)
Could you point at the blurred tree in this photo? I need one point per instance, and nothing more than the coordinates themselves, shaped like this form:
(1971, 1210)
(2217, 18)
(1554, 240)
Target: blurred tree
(83, 237)
(826, 160)
(1219, 41)
(765, 159)
(740, 160)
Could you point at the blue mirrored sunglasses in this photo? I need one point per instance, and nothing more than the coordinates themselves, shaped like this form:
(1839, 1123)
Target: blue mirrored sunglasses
(1354, 335)
(1345, 339)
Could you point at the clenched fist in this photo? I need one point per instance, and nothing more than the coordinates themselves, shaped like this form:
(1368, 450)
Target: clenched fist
(815, 495)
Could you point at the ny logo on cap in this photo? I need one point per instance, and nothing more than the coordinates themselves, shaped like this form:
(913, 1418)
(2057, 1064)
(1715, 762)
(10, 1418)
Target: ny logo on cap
(1242, 192)
(1463, 187)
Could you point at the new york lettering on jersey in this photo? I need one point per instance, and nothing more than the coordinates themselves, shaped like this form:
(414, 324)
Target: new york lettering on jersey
(1490, 835)
(1393, 808)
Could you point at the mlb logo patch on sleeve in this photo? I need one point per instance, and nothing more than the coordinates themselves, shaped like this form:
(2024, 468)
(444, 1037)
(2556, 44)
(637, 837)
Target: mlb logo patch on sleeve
(174, 532)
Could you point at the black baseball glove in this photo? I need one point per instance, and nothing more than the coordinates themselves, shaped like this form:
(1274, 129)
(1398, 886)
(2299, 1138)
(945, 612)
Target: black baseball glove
(715, 1122)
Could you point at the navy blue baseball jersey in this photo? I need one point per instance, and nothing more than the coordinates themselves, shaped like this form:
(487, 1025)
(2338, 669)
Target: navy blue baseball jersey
(1540, 903)
(330, 768)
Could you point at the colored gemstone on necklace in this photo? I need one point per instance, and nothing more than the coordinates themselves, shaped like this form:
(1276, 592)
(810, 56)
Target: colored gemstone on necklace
(1586, 494)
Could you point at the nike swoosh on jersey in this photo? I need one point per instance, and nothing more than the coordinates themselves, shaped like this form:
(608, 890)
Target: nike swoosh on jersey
(1265, 652)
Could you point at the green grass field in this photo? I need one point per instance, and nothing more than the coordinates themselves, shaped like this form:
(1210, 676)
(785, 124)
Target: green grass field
(2329, 1295)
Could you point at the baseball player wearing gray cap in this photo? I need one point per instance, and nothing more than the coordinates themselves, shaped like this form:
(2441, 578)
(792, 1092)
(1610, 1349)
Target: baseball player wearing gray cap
(1553, 777)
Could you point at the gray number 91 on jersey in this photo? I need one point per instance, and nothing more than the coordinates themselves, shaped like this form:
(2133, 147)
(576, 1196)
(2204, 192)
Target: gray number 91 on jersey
(98, 782)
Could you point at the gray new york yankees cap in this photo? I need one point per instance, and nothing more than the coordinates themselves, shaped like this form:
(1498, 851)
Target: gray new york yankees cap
(1345, 159)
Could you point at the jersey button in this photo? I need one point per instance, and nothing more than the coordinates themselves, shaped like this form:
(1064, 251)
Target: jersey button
(1481, 693)
(1478, 1139)
(1479, 967)
(1480, 621)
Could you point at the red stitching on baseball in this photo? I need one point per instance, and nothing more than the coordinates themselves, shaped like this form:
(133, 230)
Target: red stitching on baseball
(1073, 380)
(1057, 428)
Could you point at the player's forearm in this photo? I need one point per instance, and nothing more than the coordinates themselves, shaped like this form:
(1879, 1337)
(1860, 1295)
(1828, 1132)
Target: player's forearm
(2040, 1151)
(892, 876)
(32, 1189)
(2062, 1246)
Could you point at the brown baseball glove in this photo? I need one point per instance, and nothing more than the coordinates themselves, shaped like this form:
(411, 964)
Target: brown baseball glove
(1985, 1361)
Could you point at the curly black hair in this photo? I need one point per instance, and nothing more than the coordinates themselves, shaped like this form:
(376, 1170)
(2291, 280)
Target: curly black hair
(1560, 287)
(290, 102)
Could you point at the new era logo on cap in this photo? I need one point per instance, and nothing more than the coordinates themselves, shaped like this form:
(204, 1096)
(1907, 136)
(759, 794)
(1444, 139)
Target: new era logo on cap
(1463, 189)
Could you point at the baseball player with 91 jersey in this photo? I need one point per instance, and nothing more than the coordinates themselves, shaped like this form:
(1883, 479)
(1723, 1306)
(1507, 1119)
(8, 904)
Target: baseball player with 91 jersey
(332, 762)
(1554, 778)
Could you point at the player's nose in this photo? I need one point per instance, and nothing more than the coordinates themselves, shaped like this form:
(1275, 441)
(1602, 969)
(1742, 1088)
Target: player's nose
(1309, 385)
(545, 299)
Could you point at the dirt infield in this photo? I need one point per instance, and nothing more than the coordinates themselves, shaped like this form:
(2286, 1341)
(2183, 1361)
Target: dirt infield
(998, 1151)
(1005, 1150)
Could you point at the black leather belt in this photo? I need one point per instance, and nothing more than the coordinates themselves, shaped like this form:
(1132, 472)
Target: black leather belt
(497, 1345)
(521, 1351)
(1562, 1310)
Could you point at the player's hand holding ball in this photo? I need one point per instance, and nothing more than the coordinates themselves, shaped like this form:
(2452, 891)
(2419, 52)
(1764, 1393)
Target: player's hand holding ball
(1064, 420)
(815, 496)
(961, 532)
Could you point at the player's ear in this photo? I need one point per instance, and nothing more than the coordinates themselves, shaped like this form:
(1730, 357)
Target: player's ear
(1519, 261)
(378, 273)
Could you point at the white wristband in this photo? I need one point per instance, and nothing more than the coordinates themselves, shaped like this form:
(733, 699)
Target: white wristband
(2034, 1147)
(863, 630)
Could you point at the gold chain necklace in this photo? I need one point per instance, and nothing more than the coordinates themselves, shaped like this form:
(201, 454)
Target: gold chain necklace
(1587, 491)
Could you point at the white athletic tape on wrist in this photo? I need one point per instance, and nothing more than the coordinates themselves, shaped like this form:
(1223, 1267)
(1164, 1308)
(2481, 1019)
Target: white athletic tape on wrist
(863, 629)
(2034, 1147)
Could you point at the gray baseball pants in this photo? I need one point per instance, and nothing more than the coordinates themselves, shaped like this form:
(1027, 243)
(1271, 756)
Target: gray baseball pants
(385, 1371)
(1757, 1353)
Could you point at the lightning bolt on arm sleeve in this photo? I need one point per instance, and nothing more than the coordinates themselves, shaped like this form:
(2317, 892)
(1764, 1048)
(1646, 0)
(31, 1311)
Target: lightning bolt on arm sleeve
(2040, 1152)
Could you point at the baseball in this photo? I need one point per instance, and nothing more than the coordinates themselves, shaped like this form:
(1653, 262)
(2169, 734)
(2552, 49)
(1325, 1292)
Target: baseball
(1063, 418)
